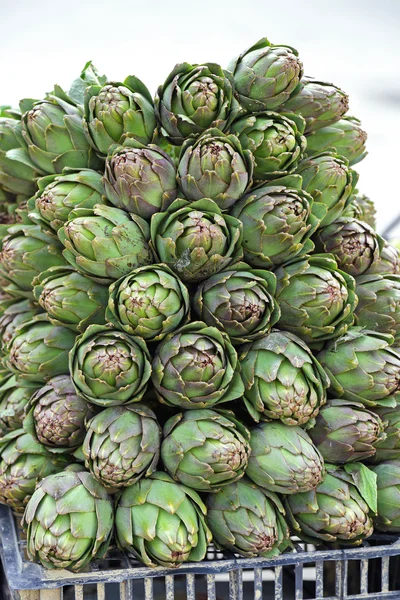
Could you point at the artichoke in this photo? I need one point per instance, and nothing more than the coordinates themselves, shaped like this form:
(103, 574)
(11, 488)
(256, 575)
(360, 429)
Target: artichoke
(193, 99)
(282, 379)
(361, 208)
(346, 432)
(162, 522)
(316, 299)
(239, 302)
(388, 447)
(266, 75)
(69, 521)
(330, 181)
(109, 367)
(205, 449)
(118, 112)
(388, 261)
(14, 397)
(195, 239)
(339, 510)
(363, 368)
(14, 317)
(196, 367)
(149, 302)
(56, 415)
(283, 459)
(345, 136)
(215, 166)
(378, 306)
(247, 520)
(318, 102)
(277, 223)
(105, 242)
(388, 482)
(59, 195)
(70, 299)
(140, 180)
(122, 445)
(39, 350)
(275, 141)
(23, 463)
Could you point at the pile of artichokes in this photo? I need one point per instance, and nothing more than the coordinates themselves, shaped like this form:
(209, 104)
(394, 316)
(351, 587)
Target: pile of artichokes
(198, 321)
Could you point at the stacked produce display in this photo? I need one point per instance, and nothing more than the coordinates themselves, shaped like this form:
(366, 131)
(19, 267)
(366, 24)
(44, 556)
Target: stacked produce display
(199, 323)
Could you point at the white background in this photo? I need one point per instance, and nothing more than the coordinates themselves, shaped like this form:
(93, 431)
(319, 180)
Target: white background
(353, 43)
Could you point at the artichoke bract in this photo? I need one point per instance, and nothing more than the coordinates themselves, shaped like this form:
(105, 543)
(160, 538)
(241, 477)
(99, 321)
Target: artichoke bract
(205, 449)
(330, 181)
(122, 445)
(340, 509)
(149, 302)
(109, 367)
(14, 317)
(282, 379)
(362, 367)
(39, 350)
(266, 75)
(346, 136)
(140, 180)
(316, 299)
(59, 195)
(318, 102)
(275, 141)
(378, 306)
(284, 459)
(196, 367)
(195, 239)
(118, 112)
(239, 302)
(162, 522)
(105, 243)
(70, 299)
(14, 397)
(277, 223)
(23, 463)
(346, 432)
(388, 482)
(193, 99)
(56, 415)
(388, 447)
(247, 520)
(215, 166)
(388, 261)
(69, 521)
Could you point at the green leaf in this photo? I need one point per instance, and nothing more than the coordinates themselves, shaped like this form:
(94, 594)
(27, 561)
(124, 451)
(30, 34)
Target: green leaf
(365, 482)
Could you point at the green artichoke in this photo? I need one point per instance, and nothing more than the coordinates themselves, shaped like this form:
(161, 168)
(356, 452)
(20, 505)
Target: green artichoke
(59, 195)
(282, 379)
(283, 459)
(117, 113)
(339, 510)
(388, 482)
(215, 166)
(318, 102)
(122, 445)
(266, 75)
(277, 224)
(388, 447)
(13, 317)
(275, 140)
(105, 243)
(330, 181)
(346, 432)
(56, 415)
(140, 180)
(316, 299)
(14, 397)
(39, 350)
(363, 368)
(247, 520)
(193, 99)
(69, 521)
(70, 299)
(239, 302)
(162, 522)
(346, 136)
(378, 306)
(26, 251)
(361, 208)
(205, 449)
(196, 367)
(23, 463)
(149, 302)
(388, 261)
(109, 367)
(195, 239)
